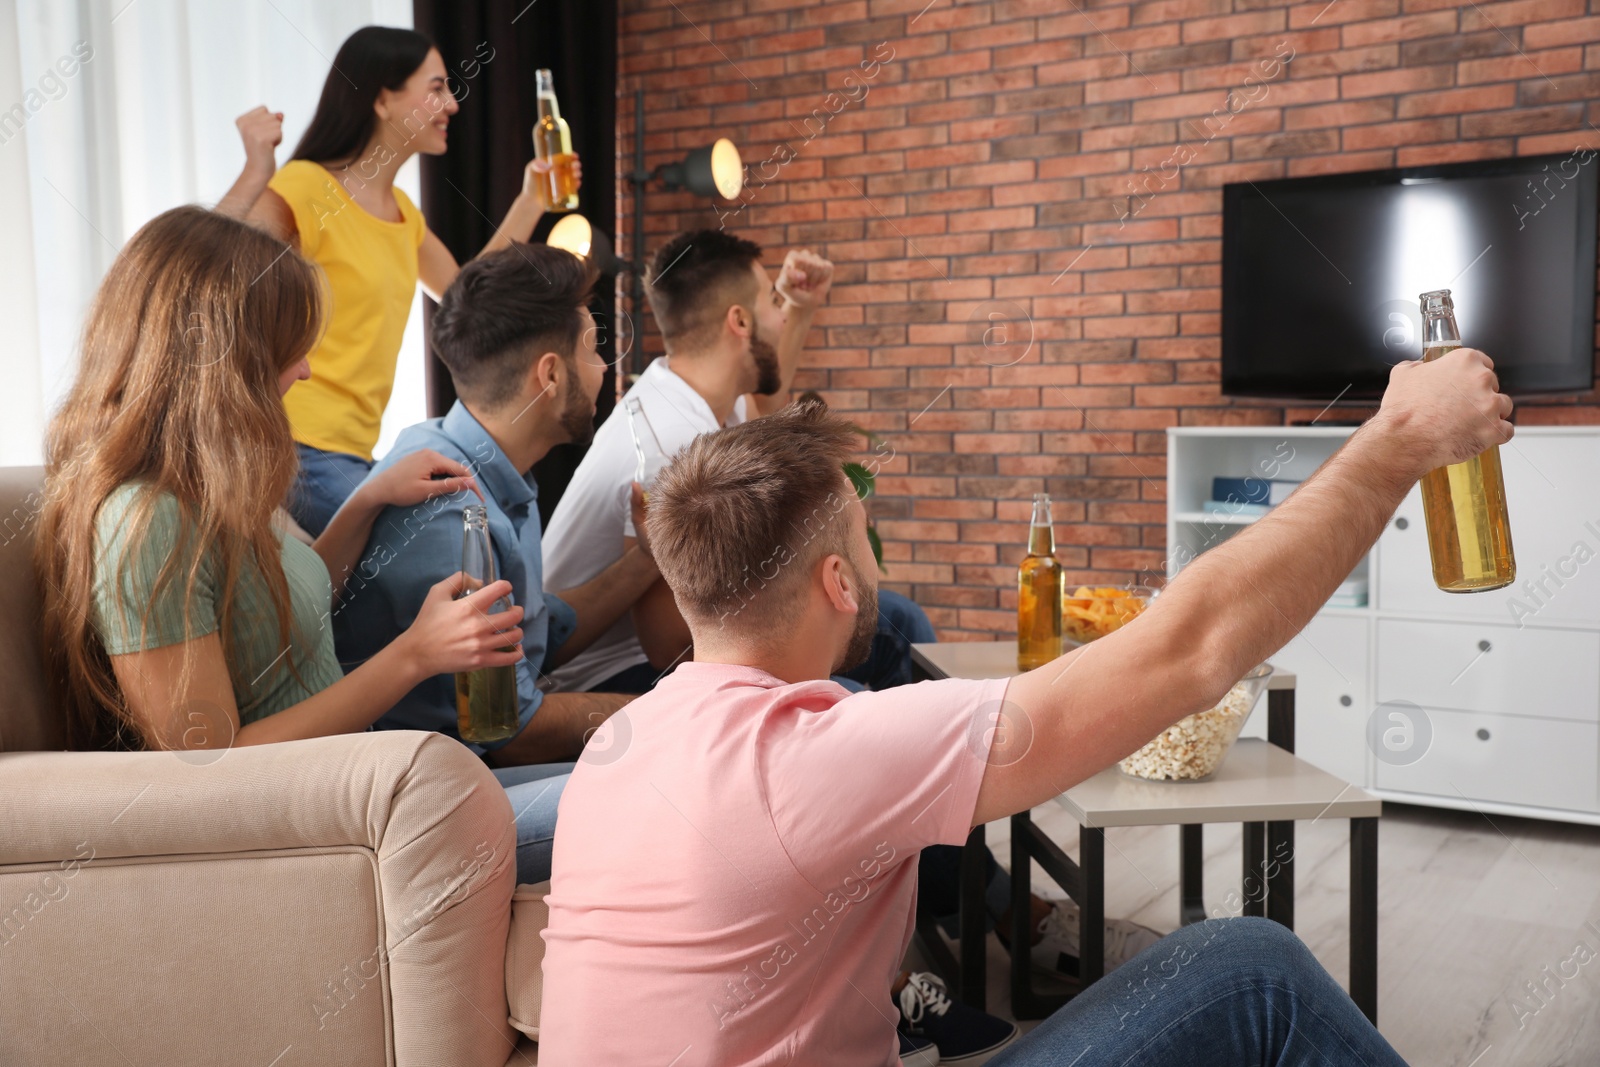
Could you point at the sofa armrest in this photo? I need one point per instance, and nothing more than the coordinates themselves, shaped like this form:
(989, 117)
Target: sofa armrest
(405, 843)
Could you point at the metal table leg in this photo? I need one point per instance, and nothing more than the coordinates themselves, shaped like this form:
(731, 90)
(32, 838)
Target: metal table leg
(1191, 867)
(1280, 873)
(1253, 886)
(1021, 913)
(1364, 916)
(1092, 909)
(974, 951)
(1030, 844)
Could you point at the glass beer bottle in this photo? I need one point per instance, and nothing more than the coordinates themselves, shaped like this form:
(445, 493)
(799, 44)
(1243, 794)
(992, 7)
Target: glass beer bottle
(552, 140)
(486, 699)
(1039, 593)
(1469, 532)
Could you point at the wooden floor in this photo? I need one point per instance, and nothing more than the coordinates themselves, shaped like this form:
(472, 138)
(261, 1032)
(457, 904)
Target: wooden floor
(1471, 912)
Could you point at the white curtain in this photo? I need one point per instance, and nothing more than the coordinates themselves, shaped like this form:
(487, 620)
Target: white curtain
(112, 111)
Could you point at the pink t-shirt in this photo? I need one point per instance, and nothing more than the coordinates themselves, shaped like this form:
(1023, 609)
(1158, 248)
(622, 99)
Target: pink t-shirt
(735, 876)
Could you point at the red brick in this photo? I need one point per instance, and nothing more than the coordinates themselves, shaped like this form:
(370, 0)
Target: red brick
(1409, 27)
(1390, 134)
(1426, 155)
(1555, 34)
(1382, 83)
(1523, 65)
(1347, 113)
(1457, 101)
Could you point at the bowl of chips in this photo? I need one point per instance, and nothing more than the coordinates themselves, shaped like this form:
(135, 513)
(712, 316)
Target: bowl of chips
(1091, 612)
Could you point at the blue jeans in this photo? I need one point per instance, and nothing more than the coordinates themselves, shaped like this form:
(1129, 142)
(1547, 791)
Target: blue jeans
(1216, 994)
(534, 792)
(325, 481)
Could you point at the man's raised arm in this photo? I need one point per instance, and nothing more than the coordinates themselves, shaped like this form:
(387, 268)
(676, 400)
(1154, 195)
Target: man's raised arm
(1240, 602)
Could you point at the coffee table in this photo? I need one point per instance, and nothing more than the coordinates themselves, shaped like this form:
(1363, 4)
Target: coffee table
(1261, 784)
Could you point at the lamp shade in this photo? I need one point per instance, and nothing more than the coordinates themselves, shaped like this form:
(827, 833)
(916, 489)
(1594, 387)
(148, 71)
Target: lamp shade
(575, 234)
(715, 170)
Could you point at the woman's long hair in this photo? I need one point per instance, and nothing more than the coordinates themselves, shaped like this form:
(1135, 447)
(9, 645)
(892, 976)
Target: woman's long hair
(183, 348)
(372, 59)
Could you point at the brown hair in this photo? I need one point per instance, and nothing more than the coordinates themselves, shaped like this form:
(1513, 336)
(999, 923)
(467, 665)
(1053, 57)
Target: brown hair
(503, 311)
(747, 509)
(695, 278)
(177, 391)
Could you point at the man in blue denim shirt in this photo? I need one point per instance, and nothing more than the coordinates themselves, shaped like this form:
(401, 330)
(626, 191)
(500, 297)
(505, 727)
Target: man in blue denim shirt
(515, 332)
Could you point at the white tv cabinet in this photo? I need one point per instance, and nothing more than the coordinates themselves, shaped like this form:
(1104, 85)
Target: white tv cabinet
(1486, 702)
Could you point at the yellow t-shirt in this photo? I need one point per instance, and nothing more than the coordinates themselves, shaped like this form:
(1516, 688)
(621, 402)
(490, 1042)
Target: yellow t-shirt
(371, 270)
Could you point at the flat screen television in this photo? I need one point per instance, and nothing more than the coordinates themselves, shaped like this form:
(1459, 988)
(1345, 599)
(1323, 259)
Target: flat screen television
(1320, 276)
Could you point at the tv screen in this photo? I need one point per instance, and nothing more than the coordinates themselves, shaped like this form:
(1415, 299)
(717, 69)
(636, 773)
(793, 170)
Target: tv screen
(1320, 276)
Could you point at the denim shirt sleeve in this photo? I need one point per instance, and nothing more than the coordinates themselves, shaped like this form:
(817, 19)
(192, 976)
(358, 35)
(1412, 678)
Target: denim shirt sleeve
(409, 551)
(563, 621)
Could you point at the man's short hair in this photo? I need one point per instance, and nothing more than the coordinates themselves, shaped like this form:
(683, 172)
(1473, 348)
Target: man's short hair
(695, 278)
(738, 519)
(503, 311)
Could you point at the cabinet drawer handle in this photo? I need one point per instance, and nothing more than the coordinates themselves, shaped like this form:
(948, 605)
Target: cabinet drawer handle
(1401, 523)
(1344, 702)
(1483, 735)
(1484, 646)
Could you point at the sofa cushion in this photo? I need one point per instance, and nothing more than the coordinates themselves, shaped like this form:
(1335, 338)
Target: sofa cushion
(525, 956)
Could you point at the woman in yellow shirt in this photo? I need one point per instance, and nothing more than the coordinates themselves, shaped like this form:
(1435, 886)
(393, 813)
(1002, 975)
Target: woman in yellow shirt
(386, 99)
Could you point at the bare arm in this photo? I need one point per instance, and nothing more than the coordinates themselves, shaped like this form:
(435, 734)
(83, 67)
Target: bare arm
(261, 131)
(803, 283)
(559, 728)
(449, 635)
(437, 268)
(603, 599)
(660, 626)
(1243, 600)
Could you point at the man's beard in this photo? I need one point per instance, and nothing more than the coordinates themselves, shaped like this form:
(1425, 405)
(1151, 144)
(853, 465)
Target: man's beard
(577, 413)
(768, 378)
(866, 629)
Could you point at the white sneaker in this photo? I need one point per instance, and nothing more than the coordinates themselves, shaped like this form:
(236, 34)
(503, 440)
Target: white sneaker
(1057, 950)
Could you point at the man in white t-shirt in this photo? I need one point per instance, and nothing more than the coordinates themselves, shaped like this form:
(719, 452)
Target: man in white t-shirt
(734, 338)
(733, 881)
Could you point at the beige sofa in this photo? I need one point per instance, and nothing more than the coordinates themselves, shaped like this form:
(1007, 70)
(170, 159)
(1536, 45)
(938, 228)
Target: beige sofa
(339, 901)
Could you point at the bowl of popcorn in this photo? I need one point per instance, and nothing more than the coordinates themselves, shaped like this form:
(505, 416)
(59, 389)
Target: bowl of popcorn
(1090, 612)
(1193, 748)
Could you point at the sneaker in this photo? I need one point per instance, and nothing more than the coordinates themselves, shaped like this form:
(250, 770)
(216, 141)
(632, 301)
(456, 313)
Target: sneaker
(964, 1035)
(1057, 950)
(917, 1051)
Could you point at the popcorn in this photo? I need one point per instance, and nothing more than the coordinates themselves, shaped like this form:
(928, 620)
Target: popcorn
(1193, 746)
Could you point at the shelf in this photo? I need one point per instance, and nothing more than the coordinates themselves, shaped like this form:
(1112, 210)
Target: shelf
(1215, 518)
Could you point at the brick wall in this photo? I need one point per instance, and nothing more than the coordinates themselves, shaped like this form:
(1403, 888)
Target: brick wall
(1023, 201)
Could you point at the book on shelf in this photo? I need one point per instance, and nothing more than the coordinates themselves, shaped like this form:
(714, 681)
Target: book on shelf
(1234, 507)
(1267, 491)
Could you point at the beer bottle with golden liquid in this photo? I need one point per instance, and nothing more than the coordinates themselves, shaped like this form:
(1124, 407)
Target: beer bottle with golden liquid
(1039, 593)
(486, 698)
(1469, 532)
(552, 140)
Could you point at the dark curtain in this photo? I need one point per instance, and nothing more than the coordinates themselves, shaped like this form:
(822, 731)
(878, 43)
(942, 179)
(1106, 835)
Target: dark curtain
(492, 48)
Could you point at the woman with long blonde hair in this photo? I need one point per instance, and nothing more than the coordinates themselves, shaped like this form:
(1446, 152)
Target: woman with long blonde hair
(178, 613)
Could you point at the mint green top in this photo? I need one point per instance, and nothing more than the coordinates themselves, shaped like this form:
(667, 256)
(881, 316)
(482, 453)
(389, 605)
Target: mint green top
(263, 680)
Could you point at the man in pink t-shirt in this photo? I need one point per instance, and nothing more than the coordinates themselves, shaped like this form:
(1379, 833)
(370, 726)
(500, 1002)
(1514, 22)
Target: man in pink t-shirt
(734, 878)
